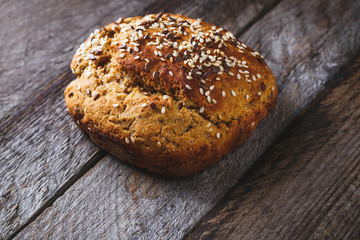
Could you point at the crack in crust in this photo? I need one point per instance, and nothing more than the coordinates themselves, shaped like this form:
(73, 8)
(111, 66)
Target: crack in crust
(153, 116)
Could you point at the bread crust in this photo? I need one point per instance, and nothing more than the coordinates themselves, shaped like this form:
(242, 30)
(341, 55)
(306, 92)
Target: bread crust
(168, 93)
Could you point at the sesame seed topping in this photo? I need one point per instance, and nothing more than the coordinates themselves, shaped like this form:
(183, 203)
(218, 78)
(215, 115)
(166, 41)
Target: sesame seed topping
(203, 55)
(132, 139)
(259, 93)
(127, 140)
(218, 135)
(202, 109)
(163, 110)
(273, 88)
(159, 144)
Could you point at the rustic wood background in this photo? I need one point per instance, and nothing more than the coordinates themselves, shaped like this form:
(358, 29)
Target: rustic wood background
(54, 183)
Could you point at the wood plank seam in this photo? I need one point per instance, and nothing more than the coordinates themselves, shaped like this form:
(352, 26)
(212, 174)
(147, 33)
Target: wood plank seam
(90, 164)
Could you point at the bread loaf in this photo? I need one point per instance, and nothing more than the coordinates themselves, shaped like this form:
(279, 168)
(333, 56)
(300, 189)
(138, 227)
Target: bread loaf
(168, 93)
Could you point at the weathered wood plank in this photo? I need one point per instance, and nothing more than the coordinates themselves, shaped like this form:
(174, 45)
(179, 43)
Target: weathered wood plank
(307, 185)
(115, 200)
(42, 153)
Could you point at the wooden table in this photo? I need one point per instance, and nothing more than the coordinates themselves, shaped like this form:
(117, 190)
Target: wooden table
(297, 177)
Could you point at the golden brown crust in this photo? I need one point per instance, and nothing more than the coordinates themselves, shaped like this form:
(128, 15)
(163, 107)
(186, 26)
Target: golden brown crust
(175, 93)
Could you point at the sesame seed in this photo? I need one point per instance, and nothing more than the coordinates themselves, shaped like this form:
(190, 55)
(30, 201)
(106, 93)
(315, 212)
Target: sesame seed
(253, 124)
(79, 87)
(247, 97)
(132, 139)
(208, 99)
(259, 93)
(171, 74)
(253, 78)
(258, 75)
(218, 135)
(214, 101)
(159, 144)
(188, 86)
(127, 140)
(201, 91)
(166, 97)
(263, 87)
(217, 79)
(136, 49)
(202, 109)
(88, 92)
(211, 87)
(233, 93)
(207, 93)
(163, 110)
(238, 76)
(273, 88)
(156, 74)
(137, 57)
(189, 77)
(223, 93)
(122, 55)
(143, 105)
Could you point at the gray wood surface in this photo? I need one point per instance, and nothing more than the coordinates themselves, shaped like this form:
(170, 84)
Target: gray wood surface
(307, 185)
(305, 43)
(42, 152)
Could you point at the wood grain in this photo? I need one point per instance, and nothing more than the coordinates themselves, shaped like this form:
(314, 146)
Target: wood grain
(307, 185)
(42, 151)
(115, 200)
